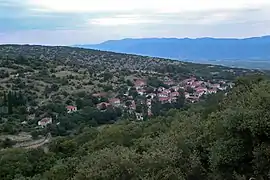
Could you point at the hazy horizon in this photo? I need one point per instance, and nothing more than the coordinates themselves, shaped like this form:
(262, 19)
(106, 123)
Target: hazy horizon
(60, 22)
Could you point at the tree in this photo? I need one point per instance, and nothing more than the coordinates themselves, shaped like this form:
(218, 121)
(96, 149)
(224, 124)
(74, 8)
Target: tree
(129, 83)
(5, 100)
(10, 102)
(190, 90)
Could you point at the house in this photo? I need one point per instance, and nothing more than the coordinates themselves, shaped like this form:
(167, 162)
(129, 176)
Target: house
(139, 116)
(140, 83)
(168, 91)
(133, 105)
(149, 112)
(141, 92)
(115, 101)
(169, 82)
(44, 122)
(196, 84)
(71, 109)
(175, 88)
(163, 95)
(24, 123)
(222, 82)
(215, 86)
(201, 91)
(175, 94)
(149, 102)
(212, 91)
(103, 105)
(189, 81)
(187, 95)
(193, 99)
(161, 89)
(164, 100)
(173, 99)
(231, 85)
(151, 95)
(223, 88)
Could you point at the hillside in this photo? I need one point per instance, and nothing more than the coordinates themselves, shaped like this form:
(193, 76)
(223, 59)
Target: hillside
(60, 90)
(219, 139)
(247, 53)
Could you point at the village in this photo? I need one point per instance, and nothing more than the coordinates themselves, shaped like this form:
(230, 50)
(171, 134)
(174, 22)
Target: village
(192, 89)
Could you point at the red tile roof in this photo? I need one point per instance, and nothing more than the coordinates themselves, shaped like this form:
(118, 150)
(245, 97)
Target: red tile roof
(140, 82)
(103, 105)
(71, 107)
(173, 94)
(114, 100)
(164, 99)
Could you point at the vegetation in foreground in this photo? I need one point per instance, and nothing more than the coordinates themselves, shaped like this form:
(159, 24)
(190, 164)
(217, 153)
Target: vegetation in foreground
(219, 139)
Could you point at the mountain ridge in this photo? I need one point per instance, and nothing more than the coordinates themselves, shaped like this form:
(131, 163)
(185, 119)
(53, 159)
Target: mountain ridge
(224, 51)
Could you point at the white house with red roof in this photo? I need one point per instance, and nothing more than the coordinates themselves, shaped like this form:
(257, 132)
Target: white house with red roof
(103, 105)
(115, 101)
(187, 95)
(140, 83)
(169, 82)
(175, 88)
(71, 109)
(189, 81)
(215, 86)
(161, 89)
(196, 84)
(201, 91)
(141, 91)
(193, 99)
(44, 122)
(163, 95)
(175, 94)
(212, 91)
(168, 91)
(164, 100)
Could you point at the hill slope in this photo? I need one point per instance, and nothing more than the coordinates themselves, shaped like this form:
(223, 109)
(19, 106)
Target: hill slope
(221, 139)
(231, 52)
(39, 85)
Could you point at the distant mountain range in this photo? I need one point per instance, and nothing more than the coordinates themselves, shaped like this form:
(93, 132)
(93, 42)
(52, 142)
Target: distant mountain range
(248, 53)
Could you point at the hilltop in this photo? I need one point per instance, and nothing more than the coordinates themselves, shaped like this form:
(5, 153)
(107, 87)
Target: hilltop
(248, 53)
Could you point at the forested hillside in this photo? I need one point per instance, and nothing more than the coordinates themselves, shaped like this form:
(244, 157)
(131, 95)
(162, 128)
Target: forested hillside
(70, 113)
(225, 137)
(41, 87)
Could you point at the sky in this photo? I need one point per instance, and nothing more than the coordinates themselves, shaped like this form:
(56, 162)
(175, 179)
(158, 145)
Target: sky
(68, 22)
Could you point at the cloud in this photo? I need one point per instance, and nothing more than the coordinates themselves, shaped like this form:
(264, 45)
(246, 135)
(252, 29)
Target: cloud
(85, 21)
(169, 6)
(123, 20)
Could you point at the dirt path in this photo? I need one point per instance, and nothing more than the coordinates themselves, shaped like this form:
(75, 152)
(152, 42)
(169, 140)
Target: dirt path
(35, 144)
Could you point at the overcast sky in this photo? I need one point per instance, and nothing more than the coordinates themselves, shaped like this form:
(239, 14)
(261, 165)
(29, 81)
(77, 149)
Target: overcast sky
(66, 22)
